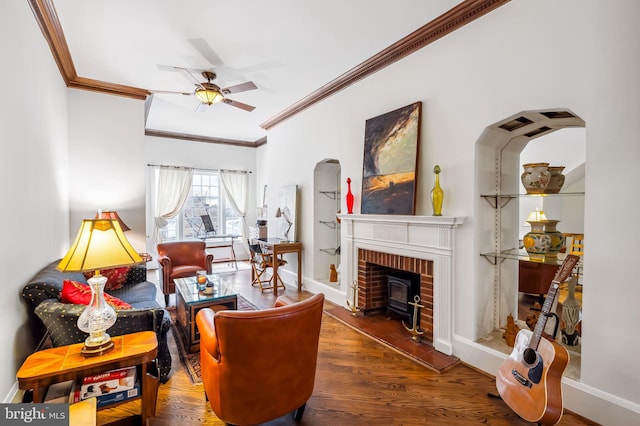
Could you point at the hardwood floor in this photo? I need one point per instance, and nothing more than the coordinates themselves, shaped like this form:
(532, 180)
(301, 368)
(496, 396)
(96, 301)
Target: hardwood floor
(358, 382)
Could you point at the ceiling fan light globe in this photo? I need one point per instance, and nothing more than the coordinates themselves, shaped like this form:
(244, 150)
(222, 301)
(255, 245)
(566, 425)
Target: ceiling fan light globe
(209, 96)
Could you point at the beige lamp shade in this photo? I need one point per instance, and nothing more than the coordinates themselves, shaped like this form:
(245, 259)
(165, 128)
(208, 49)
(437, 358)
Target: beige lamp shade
(100, 244)
(536, 216)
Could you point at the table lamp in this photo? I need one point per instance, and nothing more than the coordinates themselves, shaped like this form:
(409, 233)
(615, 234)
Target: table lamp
(109, 214)
(100, 244)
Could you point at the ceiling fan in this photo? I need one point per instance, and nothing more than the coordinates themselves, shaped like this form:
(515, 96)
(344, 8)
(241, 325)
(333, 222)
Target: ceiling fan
(209, 93)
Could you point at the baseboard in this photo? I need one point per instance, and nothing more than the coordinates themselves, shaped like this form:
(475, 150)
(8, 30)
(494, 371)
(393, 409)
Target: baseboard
(15, 394)
(579, 398)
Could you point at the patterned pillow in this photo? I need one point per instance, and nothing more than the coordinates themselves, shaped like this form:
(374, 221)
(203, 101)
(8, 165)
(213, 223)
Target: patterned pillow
(80, 294)
(116, 277)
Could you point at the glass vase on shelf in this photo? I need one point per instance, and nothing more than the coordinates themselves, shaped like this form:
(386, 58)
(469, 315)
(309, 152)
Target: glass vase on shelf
(350, 197)
(437, 194)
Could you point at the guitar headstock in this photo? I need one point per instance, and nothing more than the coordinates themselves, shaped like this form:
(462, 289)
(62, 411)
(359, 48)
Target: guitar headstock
(565, 269)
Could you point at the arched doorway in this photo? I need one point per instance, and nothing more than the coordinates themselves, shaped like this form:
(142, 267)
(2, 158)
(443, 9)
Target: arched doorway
(503, 205)
(326, 229)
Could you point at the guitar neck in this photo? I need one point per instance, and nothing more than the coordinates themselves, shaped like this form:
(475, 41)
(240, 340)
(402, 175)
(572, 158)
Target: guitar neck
(542, 319)
(563, 273)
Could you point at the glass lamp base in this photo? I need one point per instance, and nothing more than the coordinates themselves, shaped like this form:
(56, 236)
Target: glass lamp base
(97, 349)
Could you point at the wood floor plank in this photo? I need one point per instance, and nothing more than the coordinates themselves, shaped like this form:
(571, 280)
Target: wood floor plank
(358, 382)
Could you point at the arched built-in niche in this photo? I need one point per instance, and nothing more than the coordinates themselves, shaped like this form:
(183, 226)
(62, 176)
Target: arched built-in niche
(326, 229)
(499, 214)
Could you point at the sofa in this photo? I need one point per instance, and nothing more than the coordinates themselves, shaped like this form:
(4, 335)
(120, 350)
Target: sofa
(42, 295)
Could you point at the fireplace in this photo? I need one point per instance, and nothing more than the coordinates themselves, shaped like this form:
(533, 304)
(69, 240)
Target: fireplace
(373, 288)
(423, 245)
(401, 292)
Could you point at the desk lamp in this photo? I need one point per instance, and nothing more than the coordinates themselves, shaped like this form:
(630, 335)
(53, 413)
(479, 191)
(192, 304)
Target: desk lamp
(100, 244)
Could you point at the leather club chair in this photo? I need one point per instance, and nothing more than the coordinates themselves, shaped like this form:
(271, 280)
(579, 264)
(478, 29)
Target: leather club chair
(260, 365)
(181, 259)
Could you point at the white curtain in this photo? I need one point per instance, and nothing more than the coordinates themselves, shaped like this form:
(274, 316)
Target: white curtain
(174, 185)
(236, 185)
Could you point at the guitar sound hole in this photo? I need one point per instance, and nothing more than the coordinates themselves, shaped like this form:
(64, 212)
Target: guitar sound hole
(529, 356)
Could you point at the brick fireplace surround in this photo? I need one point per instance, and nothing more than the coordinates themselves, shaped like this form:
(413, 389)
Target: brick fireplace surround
(373, 267)
(419, 244)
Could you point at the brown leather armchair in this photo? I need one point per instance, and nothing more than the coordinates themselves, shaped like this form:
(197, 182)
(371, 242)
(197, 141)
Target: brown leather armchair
(181, 259)
(260, 365)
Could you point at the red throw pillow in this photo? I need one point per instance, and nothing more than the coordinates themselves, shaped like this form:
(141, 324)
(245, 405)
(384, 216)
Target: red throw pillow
(116, 277)
(80, 294)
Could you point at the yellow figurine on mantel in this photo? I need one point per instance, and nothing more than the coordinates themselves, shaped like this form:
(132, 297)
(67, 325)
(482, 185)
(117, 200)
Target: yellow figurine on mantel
(437, 194)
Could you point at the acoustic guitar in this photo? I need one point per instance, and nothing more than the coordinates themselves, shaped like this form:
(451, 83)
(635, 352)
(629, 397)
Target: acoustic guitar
(529, 380)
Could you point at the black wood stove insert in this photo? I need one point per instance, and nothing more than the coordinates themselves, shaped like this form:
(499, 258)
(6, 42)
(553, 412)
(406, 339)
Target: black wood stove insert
(402, 288)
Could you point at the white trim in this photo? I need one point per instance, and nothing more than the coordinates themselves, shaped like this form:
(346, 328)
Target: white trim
(587, 401)
(422, 237)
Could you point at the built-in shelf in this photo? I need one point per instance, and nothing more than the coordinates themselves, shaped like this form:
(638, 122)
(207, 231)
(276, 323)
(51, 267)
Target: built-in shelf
(329, 223)
(330, 194)
(331, 251)
(519, 254)
(503, 199)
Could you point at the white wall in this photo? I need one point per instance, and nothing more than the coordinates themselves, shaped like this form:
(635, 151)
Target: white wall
(107, 160)
(33, 171)
(109, 157)
(581, 55)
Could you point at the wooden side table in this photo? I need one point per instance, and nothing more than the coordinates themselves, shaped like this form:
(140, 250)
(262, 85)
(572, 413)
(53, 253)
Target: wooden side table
(49, 366)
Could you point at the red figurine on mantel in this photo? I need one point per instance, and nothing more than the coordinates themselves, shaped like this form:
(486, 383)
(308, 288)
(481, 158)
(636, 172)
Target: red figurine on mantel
(349, 197)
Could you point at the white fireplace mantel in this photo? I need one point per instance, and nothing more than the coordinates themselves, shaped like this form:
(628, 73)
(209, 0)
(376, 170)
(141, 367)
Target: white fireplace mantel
(421, 237)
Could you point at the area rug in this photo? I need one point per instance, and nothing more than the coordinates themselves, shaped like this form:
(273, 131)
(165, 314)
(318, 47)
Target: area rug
(191, 361)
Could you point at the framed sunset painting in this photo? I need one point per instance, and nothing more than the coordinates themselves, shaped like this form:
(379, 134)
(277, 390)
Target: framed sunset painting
(390, 162)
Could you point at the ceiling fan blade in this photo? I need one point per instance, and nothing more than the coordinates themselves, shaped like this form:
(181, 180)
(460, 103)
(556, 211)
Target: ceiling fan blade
(206, 51)
(243, 87)
(187, 73)
(202, 107)
(172, 92)
(239, 104)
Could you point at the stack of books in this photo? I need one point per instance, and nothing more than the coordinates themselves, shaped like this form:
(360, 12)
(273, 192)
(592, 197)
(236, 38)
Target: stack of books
(109, 388)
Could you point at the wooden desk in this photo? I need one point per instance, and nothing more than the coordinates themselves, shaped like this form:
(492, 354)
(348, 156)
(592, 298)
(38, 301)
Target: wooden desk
(49, 366)
(276, 247)
(535, 277)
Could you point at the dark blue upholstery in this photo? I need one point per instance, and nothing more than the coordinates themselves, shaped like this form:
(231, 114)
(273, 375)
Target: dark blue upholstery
(42, 295)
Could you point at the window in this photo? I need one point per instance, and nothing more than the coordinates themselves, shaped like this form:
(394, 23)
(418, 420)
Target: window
(207, 196)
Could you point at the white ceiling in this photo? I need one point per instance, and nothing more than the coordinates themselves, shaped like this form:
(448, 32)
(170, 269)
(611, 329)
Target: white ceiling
(288, 48)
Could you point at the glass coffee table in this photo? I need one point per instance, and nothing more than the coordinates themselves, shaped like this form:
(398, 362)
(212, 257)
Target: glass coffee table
(189, 300)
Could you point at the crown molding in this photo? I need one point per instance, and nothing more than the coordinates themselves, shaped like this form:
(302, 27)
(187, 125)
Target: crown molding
(47, 18)
(464, 13)
(206, 139)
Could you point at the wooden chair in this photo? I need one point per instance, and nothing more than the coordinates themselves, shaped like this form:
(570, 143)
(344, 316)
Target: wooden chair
(260, 262)
(576, 247)
(577, 244)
